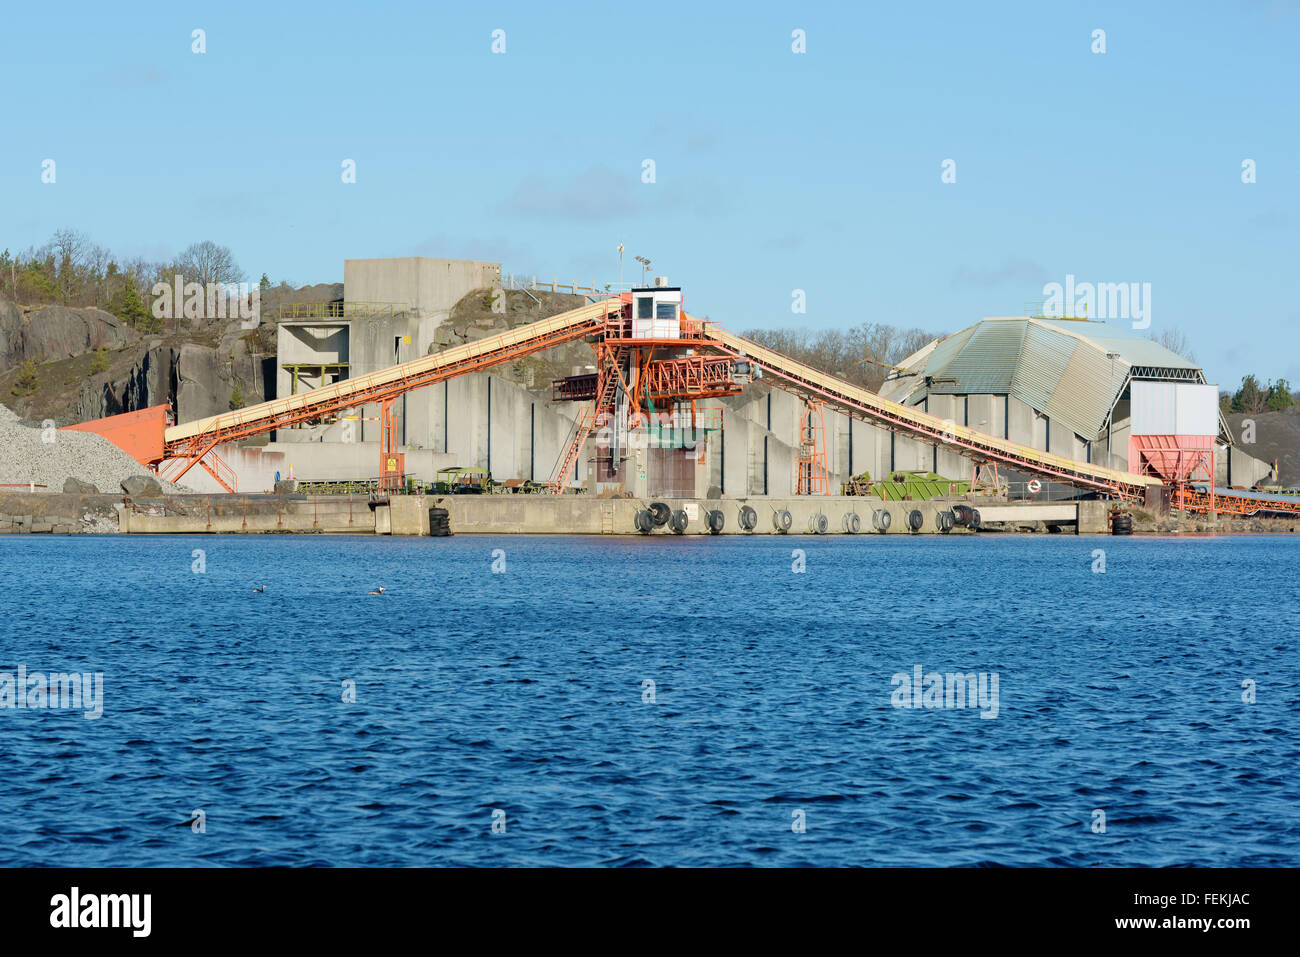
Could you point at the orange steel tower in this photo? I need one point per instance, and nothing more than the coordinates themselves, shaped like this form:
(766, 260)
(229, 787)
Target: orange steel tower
(651, 369)
(812, 477)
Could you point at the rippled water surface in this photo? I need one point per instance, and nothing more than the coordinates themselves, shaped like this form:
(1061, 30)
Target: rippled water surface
(523, 692)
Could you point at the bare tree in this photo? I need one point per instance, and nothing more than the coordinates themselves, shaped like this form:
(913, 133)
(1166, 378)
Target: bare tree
(207, 262)
(68, 246)
(1175, 340)
(854, 355)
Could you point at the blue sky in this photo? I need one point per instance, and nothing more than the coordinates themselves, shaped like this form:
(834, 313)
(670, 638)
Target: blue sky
(774, 171)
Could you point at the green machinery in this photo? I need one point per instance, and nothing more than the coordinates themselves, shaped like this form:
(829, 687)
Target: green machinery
(905, 486)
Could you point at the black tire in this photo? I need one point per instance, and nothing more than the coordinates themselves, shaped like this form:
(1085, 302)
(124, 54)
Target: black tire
(661, 513)
(645, 522)
(944, 521)
(818, 524)
(782, 520)
(748, 519)
(961, 514)
(915, 519)
(716, 521)
(880, 520)
(975, 521)
(852, 524)
(678, 521)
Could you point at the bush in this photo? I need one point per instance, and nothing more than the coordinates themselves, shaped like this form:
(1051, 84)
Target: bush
(100, 361)
(236, 398)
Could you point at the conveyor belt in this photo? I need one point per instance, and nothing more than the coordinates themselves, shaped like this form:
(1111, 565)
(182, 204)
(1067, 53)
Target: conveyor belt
(930, 428)
(190, 438)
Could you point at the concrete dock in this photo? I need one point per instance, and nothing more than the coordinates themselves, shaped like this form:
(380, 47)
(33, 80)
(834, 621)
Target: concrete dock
(577, 515)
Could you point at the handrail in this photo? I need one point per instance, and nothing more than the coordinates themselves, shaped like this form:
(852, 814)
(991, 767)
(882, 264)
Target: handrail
(339, 309)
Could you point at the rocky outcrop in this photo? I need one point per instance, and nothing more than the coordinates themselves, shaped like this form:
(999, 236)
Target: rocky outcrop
(149, 379)
(198, 380)
(51, 333)
(11, 325)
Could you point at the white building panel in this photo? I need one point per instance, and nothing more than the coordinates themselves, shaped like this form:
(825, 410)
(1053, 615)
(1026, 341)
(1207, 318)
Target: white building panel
(1196, 409)
(1174, 408)
(1153, 405)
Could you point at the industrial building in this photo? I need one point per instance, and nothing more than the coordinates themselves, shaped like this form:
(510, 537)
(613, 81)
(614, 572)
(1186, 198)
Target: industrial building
(1073, 387)
(682, 412)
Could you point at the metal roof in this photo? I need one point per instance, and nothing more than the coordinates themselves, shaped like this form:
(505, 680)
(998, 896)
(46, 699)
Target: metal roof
(1063, 368)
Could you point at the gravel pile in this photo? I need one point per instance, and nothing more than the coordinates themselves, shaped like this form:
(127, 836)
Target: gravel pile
(25, 457)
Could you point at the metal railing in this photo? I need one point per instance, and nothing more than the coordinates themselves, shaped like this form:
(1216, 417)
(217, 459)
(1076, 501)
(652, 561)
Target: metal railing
(344, 309)
(574, 288)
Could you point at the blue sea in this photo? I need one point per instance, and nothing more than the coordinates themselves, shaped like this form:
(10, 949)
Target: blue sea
(666, 701)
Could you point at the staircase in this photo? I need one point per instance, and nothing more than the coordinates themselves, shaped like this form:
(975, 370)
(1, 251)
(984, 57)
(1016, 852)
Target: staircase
(586, 422)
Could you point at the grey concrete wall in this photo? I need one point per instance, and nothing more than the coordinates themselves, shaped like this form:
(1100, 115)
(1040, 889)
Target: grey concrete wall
(235, 513)
(528, 514)
(1022, 424)
(1232, 466)
(987, 413)
(430, 287)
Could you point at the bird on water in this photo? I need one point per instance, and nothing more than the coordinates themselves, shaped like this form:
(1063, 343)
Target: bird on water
(377, 591)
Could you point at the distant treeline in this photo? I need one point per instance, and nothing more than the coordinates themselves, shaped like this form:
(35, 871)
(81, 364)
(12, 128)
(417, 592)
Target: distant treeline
(71, 270)
(1253, 397)
(844, 353)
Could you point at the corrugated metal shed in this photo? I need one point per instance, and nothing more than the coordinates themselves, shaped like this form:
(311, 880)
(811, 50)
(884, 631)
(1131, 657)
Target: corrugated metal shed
(1060, 367)
(1132, 349)
(986, 361)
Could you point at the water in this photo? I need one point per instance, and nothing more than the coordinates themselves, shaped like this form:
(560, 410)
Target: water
(522, 692)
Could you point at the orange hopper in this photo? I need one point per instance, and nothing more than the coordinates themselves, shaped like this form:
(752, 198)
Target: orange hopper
(138, 434)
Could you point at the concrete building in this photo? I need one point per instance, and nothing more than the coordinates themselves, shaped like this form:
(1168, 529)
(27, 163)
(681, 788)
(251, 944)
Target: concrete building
(1061, 385)
(1058, 385)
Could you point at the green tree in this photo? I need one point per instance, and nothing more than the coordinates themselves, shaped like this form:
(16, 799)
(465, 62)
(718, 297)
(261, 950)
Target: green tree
(130, 308)
(1250, 397)
(1279, 396)
(99, 362)
(264, 283)
(28, 380)
(236, 398)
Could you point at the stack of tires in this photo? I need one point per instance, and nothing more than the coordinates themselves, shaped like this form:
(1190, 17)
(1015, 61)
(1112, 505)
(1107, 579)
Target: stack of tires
(1121, 523)
(656, 516)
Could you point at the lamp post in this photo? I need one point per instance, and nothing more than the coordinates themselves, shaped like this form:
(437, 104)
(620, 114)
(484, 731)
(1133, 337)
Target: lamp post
(1110, 419)
(645, 264)
(620, 265)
